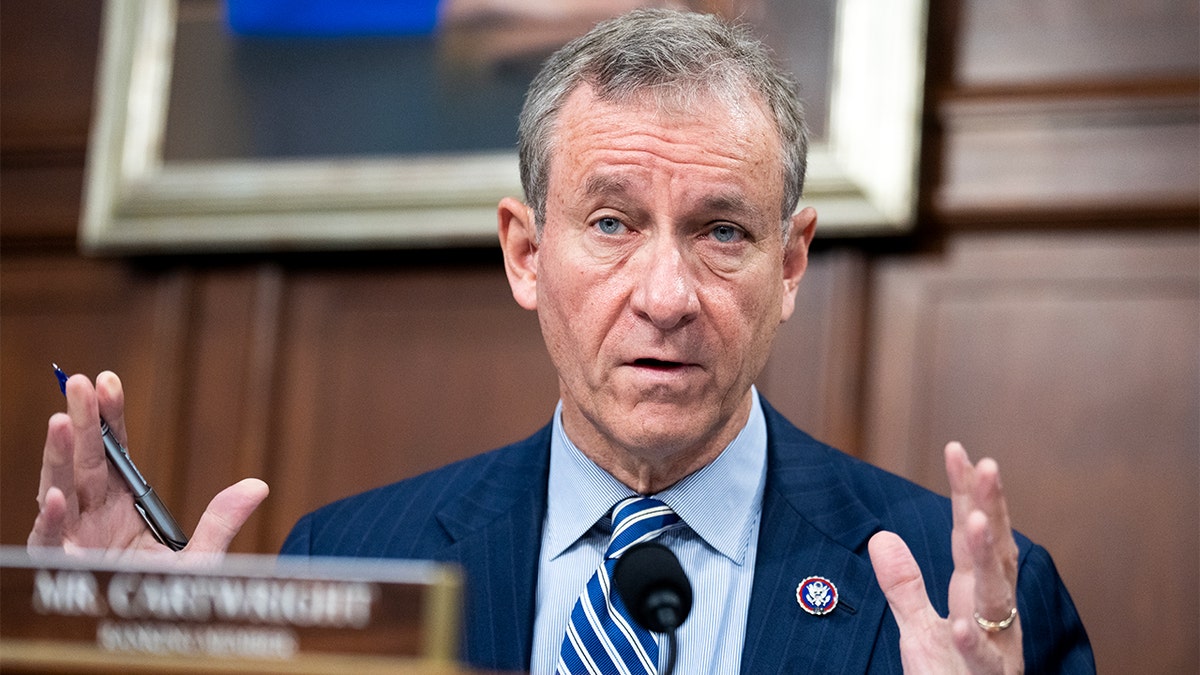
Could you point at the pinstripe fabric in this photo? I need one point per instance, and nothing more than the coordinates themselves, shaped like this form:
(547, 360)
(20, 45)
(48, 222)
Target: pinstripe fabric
(602, 636)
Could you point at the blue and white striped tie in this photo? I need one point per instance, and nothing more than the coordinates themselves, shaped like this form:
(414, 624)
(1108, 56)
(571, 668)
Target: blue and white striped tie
(602, 638)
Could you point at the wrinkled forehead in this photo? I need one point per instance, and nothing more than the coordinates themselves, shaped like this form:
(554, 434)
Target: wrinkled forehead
(721, 157)
(722, 106)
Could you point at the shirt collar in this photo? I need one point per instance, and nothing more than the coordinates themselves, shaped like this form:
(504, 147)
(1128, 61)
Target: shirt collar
(720, 502)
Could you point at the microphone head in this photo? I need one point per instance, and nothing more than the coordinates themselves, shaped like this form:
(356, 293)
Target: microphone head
(653, 586)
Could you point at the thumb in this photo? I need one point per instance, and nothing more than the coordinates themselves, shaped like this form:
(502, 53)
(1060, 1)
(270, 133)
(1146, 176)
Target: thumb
(900, 578)
(226, 514)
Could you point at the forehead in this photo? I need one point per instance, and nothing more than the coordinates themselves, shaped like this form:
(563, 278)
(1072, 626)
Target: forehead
(698, 135)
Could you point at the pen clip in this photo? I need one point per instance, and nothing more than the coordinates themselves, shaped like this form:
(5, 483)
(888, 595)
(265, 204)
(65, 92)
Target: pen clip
(149, 524)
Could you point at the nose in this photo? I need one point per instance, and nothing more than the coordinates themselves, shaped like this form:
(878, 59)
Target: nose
(665, 286)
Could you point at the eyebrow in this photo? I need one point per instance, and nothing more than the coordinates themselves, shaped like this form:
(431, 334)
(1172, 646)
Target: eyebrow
(605, 185)
(733, 203)
(729, 203)
(599, 185)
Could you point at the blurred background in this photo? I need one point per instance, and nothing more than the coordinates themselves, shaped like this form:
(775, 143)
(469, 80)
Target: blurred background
(1045, 310)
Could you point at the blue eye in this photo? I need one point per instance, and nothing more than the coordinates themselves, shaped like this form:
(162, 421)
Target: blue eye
(609, 225)
(726, 233)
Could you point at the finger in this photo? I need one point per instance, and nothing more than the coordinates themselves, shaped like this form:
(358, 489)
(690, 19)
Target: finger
(226, 514)
(110, 399)
(993, 550)
(988, 496)
(995, 570)
(961, 475)
(903, 586)
(48, 527)
(90, 466)
(110, 396)
(58, 468)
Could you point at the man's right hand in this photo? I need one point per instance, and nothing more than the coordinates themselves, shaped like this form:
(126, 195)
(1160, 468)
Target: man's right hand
(84, 505)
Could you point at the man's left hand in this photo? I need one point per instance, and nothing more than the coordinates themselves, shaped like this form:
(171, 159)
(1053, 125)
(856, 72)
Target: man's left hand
(982, 633)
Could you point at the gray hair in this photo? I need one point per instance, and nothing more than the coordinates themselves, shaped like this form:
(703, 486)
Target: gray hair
(674, 55)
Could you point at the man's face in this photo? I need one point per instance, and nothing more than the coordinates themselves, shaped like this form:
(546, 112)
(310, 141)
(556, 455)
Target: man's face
(661, 274)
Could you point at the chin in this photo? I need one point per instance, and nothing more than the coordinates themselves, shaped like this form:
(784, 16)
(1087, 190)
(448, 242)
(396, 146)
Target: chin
(665, 431)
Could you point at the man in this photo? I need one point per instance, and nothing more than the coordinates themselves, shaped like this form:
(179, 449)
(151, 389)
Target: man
(663, 158)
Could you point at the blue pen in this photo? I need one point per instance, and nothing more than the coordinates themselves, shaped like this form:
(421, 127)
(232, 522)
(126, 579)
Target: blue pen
(151, 508)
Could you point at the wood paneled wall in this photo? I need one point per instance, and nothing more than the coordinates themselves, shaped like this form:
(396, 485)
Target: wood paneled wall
(1045, 313)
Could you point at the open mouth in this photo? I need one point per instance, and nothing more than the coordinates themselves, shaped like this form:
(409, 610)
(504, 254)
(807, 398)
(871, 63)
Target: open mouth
(657, 364)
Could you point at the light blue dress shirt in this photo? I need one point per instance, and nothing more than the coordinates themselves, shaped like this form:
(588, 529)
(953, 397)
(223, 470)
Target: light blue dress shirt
(720, 504)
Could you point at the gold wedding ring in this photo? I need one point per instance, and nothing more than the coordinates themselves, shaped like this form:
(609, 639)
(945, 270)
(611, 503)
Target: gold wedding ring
(996, 626)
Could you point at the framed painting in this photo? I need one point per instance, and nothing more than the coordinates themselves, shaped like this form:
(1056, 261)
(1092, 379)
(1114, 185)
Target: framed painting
(206, 139)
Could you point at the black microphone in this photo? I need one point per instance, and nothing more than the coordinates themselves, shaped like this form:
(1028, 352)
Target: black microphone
(655, 589)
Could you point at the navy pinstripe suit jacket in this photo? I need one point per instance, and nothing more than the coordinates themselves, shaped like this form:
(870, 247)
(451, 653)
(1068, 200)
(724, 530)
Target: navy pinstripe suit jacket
(820, 507)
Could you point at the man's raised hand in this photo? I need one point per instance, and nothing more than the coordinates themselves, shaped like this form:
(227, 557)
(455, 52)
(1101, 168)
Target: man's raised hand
(982, 633)
(83, 505)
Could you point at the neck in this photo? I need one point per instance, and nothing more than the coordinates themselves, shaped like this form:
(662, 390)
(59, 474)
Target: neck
(650, 468)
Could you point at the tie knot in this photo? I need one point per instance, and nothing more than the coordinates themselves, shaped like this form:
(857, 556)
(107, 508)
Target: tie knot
(638, 519)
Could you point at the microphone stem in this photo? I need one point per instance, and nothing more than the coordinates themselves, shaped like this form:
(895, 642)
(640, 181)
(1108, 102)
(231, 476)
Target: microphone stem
(672, 652)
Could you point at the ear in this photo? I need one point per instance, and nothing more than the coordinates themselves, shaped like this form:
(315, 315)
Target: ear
(795, 256)
(519, 243)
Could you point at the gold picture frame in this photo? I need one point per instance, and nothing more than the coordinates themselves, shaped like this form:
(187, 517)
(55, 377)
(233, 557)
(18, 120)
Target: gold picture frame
(862, 177)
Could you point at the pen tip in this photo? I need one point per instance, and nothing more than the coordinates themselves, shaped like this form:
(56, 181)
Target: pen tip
(62, 378)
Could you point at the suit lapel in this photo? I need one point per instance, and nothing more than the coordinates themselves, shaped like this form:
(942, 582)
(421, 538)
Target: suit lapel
(812, 525)
(496, 530)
